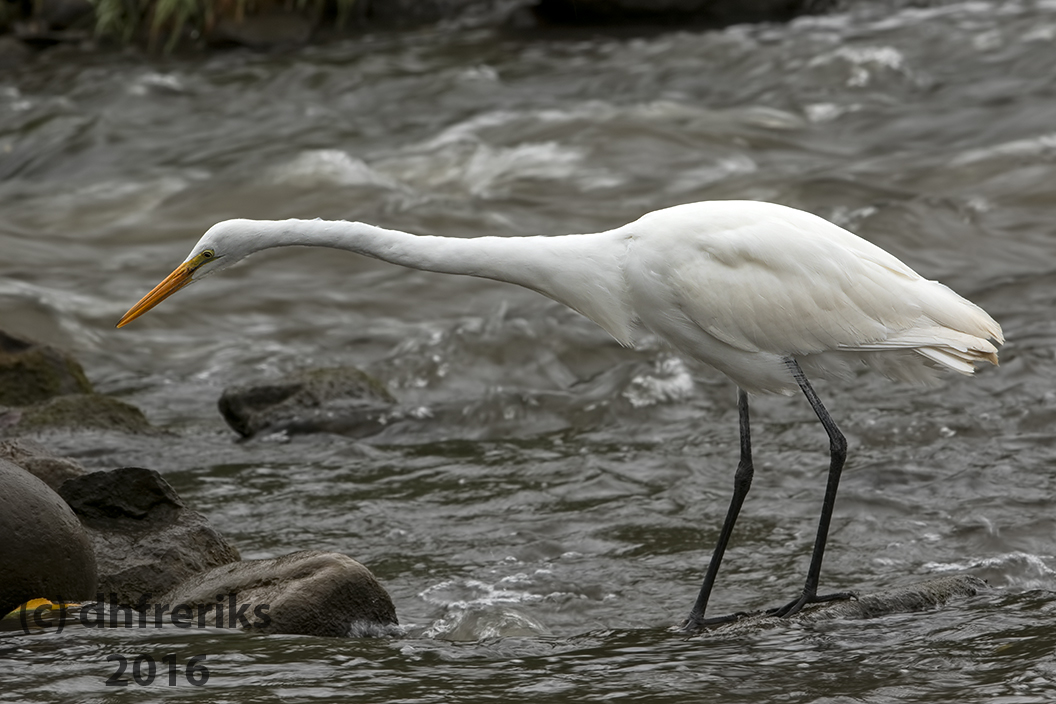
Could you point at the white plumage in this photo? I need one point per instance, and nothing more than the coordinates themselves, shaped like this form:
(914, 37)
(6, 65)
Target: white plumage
(760, 291)
(742, 285)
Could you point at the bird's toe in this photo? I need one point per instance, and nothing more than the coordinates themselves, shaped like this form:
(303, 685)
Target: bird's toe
(796, 605)
(695, 625)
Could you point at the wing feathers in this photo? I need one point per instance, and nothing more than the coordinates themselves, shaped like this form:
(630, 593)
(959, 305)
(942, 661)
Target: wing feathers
(784, 282)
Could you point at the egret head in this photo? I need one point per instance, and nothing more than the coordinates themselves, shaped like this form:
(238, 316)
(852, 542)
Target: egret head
(221, 246)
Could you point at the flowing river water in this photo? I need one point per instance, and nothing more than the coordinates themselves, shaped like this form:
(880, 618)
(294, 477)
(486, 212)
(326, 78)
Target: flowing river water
(542, 533)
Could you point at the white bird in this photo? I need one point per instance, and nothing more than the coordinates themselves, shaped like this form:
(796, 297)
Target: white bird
(759, 291)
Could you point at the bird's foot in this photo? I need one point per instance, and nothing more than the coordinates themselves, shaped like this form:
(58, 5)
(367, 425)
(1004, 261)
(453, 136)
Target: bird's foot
(797, 605)
(696, 624)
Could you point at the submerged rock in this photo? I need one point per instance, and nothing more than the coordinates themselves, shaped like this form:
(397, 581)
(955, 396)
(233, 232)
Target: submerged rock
(308, 593)
(485, 622)
(339, 400)
(898, 600)
(901, 600)
(146, 541)
(40, 462)
(44, 551)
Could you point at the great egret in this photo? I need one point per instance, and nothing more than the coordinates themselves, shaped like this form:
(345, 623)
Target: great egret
(759, 291)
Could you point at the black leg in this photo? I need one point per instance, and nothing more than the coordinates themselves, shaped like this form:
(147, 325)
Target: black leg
(837, 456)
(742, 482)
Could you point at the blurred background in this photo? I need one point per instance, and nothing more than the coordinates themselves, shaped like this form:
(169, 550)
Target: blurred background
(544, 503)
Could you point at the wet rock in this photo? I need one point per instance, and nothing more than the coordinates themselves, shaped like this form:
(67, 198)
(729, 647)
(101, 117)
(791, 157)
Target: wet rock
(35, 33)
(32, 372)
(40, 462)
(339, 400)
(146, 541)
(405, 14)
(275, 30)
(899, 600)
(84, 412)
(309, 593)
(42, 387)
(13, 52)
(717, 13)
(44, 551)
(64, 14)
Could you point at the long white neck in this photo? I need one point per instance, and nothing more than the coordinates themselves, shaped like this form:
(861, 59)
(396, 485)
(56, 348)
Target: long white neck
(585, 272)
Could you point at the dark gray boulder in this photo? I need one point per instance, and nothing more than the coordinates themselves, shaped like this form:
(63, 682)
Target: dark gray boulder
(44, 551)
(146, 541)
(64, 14)
(342, 400)
(713, 13)
(520, 14)
(40, 462)
(308, 593)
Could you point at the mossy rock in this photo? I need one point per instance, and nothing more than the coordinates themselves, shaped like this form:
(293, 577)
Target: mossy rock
(31, 372)
(340, 399)
(85, 412)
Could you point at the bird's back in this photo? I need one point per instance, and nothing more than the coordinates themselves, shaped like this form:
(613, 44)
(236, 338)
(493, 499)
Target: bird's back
(742, 285)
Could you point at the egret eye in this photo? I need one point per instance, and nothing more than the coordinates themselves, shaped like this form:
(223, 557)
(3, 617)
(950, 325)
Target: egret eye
(207, 254)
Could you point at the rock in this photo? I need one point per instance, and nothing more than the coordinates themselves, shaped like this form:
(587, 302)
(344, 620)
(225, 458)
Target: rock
(42, 387)
(308, 593)
(715, 13)
(31, 372)
(899, 600)
(13, 52)
(146, 541)
(44, 552)
(340, 400)
(406, 14)
(36, 33)
(40, 462)
(273, 30)
(64, 14)
(84, 412)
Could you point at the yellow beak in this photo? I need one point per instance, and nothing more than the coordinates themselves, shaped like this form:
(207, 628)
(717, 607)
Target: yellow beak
(172, 283)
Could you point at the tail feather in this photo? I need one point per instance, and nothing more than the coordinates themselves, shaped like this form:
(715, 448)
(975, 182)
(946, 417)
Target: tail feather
(951, 359)
(946, 332)
(951, 313)
(942, 346)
